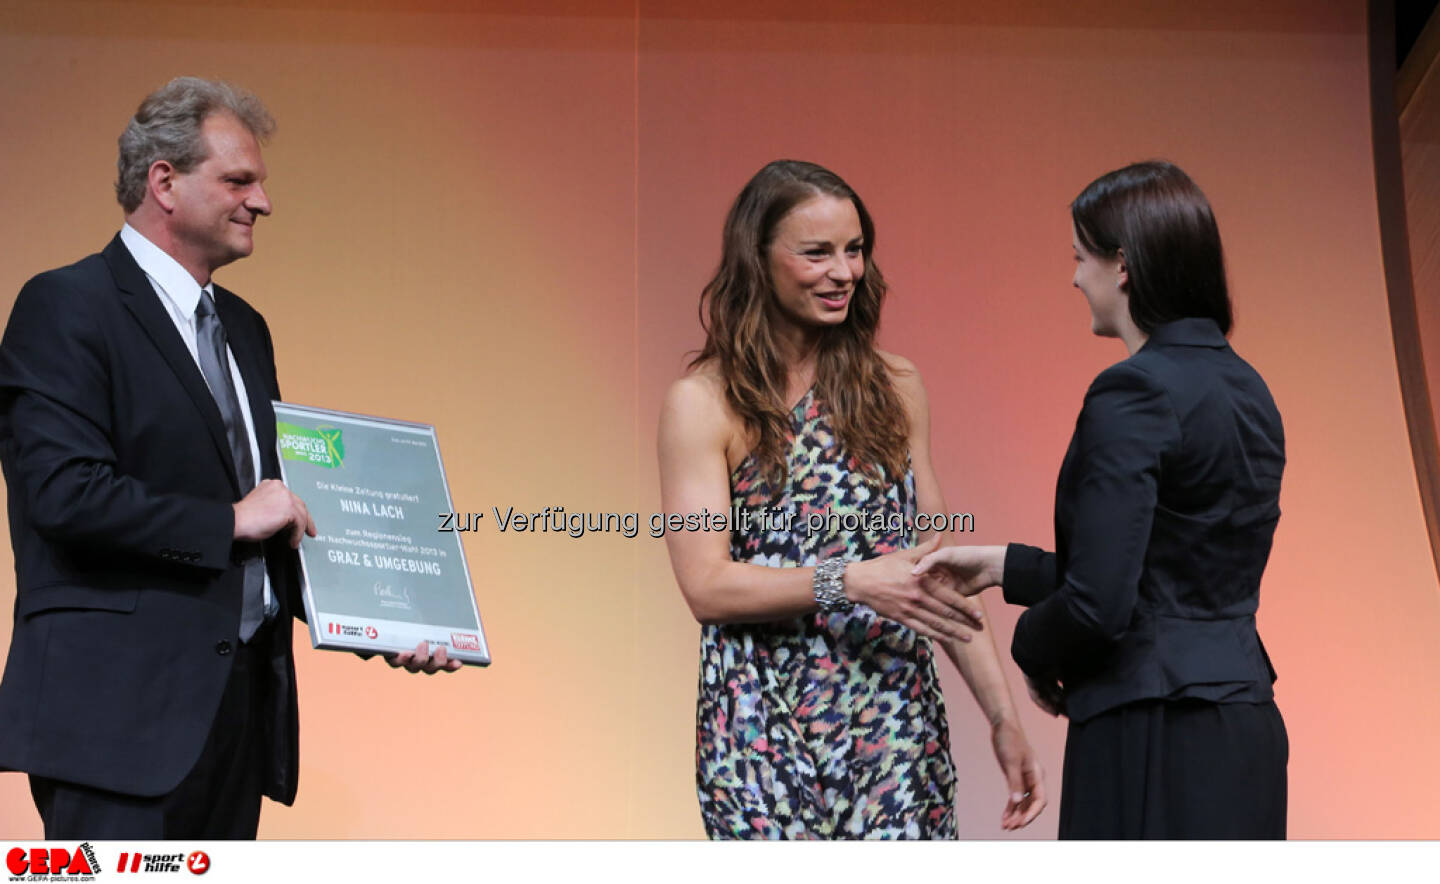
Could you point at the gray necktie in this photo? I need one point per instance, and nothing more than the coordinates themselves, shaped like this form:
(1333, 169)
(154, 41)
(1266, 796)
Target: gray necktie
(215, 365)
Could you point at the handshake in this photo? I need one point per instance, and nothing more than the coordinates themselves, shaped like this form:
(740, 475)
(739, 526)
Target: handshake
(928, 588)
(931, 589)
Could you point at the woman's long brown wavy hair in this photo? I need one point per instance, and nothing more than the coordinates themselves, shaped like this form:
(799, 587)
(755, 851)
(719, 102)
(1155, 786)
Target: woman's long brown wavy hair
(738, 306)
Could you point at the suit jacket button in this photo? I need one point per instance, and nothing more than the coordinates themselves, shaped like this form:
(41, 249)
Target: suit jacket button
(222, 648)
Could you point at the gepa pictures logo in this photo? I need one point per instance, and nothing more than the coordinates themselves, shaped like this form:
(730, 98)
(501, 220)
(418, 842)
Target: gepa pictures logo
(50, 863)
(321, 447)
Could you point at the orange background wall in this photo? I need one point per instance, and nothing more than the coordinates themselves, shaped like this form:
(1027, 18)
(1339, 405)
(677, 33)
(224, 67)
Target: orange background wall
(499, 222)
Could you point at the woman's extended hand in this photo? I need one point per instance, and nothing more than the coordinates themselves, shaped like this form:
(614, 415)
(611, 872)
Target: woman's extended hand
(965, 570)
(888, 584)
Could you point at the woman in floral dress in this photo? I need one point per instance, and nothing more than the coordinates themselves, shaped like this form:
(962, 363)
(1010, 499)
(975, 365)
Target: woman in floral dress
(819, 711)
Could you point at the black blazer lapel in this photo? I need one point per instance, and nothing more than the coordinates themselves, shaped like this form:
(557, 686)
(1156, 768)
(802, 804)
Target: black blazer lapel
(246, 348)
(144, 304)
(250, 355)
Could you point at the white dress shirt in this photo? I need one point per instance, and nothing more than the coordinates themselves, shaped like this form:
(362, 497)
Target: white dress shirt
(179, 294)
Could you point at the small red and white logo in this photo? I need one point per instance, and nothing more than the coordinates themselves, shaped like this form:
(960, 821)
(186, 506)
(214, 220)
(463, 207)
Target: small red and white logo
(198, 862)
(149, 862)
(346, 630)
(464, 641)
(371, 632)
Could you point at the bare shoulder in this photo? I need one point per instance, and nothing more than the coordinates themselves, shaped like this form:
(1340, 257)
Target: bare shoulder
(695, 407)
(897, 364)
(906, 378)
(698, 393)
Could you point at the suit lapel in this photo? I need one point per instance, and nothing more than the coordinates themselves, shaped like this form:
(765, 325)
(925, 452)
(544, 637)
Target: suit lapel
(250, 351)
(142, 302)
(245, 346)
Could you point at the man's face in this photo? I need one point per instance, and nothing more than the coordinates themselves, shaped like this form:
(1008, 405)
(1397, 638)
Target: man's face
(217, 202)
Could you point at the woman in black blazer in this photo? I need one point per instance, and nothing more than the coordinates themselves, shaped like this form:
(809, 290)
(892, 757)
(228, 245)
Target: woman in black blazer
(1141, 625)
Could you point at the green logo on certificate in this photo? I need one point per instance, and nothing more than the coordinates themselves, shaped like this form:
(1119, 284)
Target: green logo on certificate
(322, 446)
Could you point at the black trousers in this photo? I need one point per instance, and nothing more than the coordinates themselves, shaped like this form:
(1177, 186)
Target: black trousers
(1176, 769)
(218, 799)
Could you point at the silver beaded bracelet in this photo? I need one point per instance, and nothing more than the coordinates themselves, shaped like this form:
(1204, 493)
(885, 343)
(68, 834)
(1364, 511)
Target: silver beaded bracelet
(829, 586)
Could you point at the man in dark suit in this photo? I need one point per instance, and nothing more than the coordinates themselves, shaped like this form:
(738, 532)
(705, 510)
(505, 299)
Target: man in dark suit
(150, 686)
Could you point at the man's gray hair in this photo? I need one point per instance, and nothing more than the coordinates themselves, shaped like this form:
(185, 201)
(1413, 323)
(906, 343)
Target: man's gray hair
(167, 127)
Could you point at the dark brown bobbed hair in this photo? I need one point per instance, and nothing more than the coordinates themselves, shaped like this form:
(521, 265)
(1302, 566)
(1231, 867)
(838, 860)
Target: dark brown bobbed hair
(1163, 223)
(737, 308)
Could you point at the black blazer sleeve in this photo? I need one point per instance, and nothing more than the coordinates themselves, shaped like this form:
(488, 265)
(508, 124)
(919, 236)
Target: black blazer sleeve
(1124, 433)
(55, 396)
(1029, 574)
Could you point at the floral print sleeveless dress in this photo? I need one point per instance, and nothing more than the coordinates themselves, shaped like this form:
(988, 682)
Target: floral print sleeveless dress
(831, 725)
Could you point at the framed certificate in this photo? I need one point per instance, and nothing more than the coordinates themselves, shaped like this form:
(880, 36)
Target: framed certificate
(378, 577)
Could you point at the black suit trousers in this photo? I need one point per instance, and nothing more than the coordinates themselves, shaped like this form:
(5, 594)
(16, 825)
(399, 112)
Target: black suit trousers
(1176, 769)
(218, 799)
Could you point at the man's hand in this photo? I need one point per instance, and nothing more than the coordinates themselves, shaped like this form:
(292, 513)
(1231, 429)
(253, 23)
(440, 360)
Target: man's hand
(269, 509)
(421, 660)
